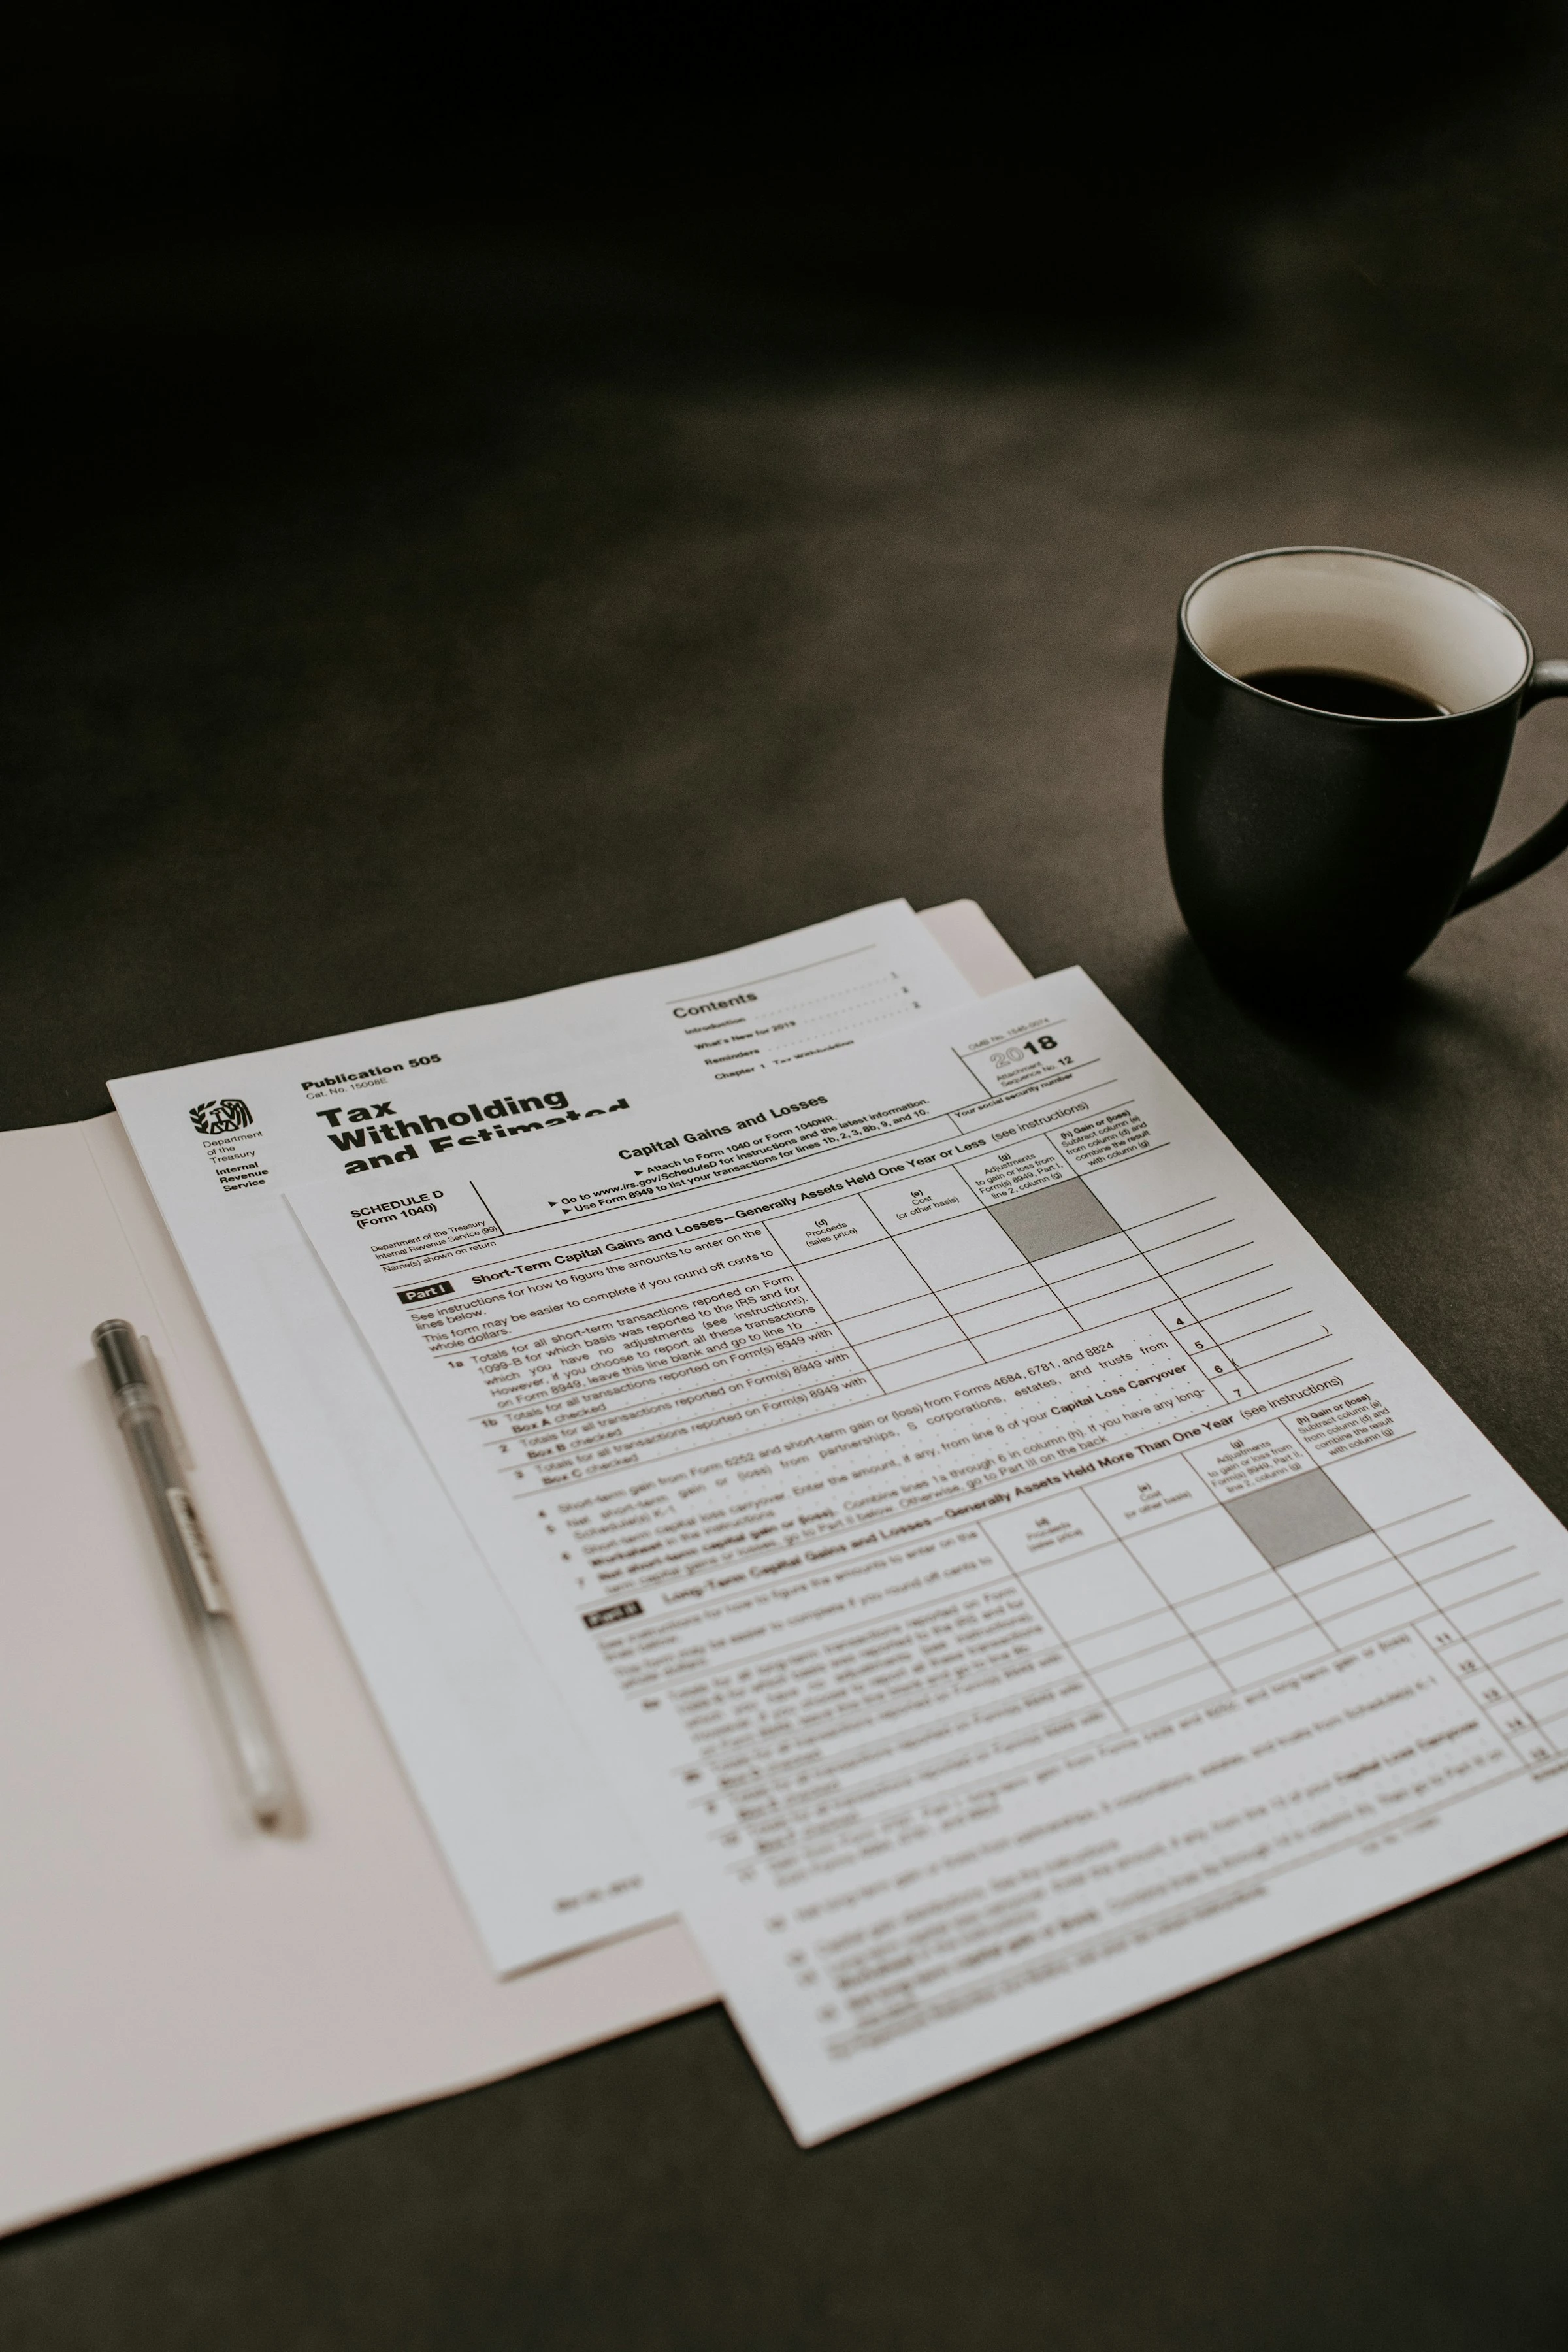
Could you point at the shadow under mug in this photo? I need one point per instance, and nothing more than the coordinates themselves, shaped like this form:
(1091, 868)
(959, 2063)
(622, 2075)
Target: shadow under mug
(1316, 854)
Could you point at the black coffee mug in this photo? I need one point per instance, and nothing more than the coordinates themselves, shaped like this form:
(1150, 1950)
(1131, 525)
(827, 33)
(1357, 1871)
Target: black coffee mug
(1339, 727)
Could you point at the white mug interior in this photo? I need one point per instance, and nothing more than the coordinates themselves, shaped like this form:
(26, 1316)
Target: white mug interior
(1376, 617)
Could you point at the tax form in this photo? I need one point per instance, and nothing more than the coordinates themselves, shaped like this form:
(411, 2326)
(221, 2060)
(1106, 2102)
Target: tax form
(1010, 1574)
(539, 1851)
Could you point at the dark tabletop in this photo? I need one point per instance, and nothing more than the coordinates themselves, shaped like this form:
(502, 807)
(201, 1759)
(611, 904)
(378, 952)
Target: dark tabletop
(427, 585)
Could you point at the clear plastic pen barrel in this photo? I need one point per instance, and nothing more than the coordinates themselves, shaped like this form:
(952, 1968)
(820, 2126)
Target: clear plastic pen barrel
(236, 1696)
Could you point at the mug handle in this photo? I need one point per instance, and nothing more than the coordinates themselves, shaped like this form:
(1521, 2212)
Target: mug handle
(1547, 680)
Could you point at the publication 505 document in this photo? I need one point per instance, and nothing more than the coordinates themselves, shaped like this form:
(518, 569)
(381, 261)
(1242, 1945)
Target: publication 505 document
(1007, 1571)
(539, 1851)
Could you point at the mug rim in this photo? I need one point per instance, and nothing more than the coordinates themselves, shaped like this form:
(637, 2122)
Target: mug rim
(1379, 555)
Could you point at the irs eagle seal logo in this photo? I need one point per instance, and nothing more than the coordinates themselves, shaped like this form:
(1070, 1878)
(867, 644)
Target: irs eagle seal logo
(220, 1117)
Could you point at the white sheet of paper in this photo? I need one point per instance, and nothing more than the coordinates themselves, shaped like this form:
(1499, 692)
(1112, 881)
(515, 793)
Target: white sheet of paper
(1010, 1573)
(177, 1988)
(543, 1856)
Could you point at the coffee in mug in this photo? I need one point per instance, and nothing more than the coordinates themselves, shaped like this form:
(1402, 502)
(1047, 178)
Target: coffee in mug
(1339, 727)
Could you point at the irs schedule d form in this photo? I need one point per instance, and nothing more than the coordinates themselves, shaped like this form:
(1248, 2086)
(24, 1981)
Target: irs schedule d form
(1007, 1570)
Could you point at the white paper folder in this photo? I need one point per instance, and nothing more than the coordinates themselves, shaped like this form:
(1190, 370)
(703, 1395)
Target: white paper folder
(174, 1990)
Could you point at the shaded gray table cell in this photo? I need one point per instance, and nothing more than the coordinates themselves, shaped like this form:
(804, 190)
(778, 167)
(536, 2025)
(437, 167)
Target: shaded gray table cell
(1297, 1517)
(1061, 1217)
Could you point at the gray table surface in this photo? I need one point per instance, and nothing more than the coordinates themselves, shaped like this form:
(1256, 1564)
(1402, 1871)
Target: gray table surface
(411, 614)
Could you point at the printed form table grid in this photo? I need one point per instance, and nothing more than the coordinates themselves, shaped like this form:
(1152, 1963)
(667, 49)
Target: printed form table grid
(1257, 1560)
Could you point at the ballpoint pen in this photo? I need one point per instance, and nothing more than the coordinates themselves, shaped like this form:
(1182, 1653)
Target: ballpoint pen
(230, 1678)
